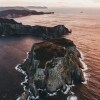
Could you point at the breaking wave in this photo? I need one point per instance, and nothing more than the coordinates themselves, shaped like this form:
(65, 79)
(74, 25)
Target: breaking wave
(72, 95)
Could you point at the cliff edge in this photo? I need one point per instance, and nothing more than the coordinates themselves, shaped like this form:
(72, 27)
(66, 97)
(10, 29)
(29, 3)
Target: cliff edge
(11, 27)
(51, 66)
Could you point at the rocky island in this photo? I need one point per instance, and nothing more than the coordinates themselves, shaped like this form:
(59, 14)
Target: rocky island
(13, 13)
(50, 67)
(11, 27)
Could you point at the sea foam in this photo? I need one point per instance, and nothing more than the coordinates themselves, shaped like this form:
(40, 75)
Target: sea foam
(86, 75)
(71, 97)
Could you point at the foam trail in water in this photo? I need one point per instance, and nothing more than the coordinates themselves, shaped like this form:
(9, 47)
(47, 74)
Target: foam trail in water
(18, 68)
(81, 60)
(82, 55)
(86, 75)
(26, 57)
(68, 88)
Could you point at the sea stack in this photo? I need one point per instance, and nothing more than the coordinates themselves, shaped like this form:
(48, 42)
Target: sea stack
(51, 65)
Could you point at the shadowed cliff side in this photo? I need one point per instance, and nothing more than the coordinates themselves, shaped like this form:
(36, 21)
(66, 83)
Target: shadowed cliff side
(13, 13)
(51, 65)
(11, 27)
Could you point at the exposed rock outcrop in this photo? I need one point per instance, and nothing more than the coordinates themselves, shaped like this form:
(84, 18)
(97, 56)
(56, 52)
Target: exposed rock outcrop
(11, 27)
(7, 21)
(12, 13)
(50, 66)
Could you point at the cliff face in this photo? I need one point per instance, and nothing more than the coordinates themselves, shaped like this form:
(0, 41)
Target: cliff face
(12, 13)
(11, 27)
(51, 65)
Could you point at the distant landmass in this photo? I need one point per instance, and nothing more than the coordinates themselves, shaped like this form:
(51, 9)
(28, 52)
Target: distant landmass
(11, 27)
(16, 8)
(36, 7)
(12, 13)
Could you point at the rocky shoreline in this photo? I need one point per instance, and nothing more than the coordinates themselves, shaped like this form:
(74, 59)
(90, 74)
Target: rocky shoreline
(51, 67)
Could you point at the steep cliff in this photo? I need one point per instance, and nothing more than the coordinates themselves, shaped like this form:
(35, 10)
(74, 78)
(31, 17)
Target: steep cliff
(51, 66)
(11, 27)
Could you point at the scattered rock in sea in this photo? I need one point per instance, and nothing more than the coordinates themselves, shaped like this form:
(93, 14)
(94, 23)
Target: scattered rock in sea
(51, 66)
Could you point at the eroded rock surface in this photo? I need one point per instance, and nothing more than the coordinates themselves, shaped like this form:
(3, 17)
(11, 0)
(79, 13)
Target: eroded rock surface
(51, 65)
(11, 27)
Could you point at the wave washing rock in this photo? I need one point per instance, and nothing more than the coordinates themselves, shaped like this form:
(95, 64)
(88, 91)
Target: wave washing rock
(51, 66)
(11, 27)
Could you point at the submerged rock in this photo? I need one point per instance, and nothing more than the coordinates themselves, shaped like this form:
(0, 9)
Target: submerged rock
(51, 65)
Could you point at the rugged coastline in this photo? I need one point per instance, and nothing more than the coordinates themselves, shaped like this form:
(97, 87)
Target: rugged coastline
(52, 67)
(11, 27)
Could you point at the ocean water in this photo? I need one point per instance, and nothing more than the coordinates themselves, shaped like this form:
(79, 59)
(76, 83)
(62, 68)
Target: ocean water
(85, 25)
